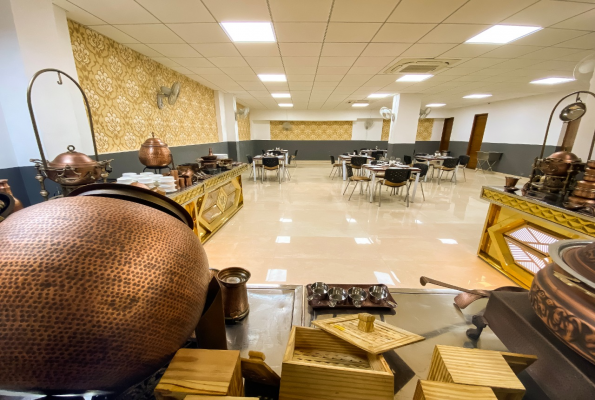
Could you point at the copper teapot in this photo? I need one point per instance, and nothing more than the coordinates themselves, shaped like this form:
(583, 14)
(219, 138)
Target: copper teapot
(73, 168)
(154, 153)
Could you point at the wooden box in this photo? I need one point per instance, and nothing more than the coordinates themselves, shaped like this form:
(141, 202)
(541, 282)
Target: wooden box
(201, 372)
(478, 368)
(429, 390)
(318, 365)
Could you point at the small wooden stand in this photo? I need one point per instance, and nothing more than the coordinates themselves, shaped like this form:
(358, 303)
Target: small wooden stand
(366, 322)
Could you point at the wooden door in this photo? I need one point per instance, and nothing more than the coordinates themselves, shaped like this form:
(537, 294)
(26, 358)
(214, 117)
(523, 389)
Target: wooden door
(479, 126)
(446, 131)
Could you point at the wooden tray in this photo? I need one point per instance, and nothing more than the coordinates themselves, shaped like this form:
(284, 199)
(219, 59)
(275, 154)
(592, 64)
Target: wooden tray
(367, 304)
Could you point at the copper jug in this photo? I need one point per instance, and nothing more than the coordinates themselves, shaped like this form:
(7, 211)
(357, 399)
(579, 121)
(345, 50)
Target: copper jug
(6, 189)
(235, 293)
(154, 153)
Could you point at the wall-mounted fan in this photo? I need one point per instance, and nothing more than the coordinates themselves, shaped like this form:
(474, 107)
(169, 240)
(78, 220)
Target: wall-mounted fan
(171, 94)
(584, 69)
(424, 112)
(387, 113)
(287, 126)
(242, 113)
(368, 123)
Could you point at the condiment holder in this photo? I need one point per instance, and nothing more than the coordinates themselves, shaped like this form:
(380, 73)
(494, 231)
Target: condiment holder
(336, 296)
(323, 295)
(379, 294)
(357, 296)
(319, 291)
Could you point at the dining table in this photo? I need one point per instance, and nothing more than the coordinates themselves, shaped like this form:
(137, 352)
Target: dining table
(282, 164)
(369, 152)
(285, 154)
(429, 159)
(374, 169)
(345, 159)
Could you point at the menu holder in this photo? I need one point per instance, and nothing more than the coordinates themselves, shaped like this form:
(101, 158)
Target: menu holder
(367, 304)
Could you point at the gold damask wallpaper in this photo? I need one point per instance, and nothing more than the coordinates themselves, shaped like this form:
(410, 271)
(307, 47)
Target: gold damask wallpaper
(312, 130)
(243, 125)
(385, 129)
(424, 129)
(122, 87)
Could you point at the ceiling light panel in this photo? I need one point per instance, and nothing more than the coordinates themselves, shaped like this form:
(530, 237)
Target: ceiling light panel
(281, 95)
(551, 81)
(360, 105)
(501, 34)
(477, 96)
(249, 31)
(414, 78)
(285, 105)
(435, 105)
(272, 77)
(378, 95)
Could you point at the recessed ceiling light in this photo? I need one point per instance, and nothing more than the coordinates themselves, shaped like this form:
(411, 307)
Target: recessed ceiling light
(476, 96)
(272, 77)
(414, 78)
(285, 105)
(360, 105)
(249, 31)
(503, 34)
(281, 95)
(378, 95)
(435, 105)
(551, 81)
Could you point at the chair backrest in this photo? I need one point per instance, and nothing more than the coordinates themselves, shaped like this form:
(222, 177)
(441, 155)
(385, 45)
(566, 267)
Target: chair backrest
(295, 153)
(333, 160)
(397, 175)
(349, 171)
(270, 161)
(263, 152)
(483, 155)
(277, 152)
(376, 155)
(250, 159)
(407, 159)
(423, 167)
(358, 161)
(464, 160)
(494, 156)
(450, 162)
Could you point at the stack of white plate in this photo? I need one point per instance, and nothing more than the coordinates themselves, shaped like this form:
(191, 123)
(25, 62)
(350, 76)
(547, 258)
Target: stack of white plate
(167, 183)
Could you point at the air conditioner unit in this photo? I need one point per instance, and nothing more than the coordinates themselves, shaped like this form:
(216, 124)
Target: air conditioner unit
(420, 65)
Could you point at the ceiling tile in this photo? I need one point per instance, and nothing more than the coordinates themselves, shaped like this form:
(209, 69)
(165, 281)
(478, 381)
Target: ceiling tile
(175, 50)
(117, 11)
(578, 56)
(300, 61)
(345, 90)
(453, 33)
(385, 49)
(362, 11)
(300, 31)
(427, 49)
(373, 61)
(200, 33)
(546, 13)
(237, 71)
(428, 11)
(193, 62)
(355, 79)
(252, 86)
(325, 84)
(382, 80)
(228, 61)
(300, 70)
(329, 78)
(258, 49)
(177, 10)
(303, 10)
(553, 64)
(364, 70)
(300, 49)
(402, 33)
(469, 50)
(548, 37)
(165, 61)
(300, 78)
(549, 53)
(206, 70)
(584, 22)
(481, 62)
(267, 69)
(217, 50)
(300, 85)
(77, 14)
(583, 42)
(511, 51)
(264, 61)
(342, 49)
(114, 33)
(244, 78)
(332, 70)
(151, 33)
(276, 86)
(238, 10)
(487, 11)
(144, 49)
(458, 71)
(351, 32)
(300, 94)
(336, 61)
(518, 63)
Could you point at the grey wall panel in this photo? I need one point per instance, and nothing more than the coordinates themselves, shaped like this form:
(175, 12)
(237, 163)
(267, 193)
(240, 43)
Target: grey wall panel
(428, 147)
(400, 149)
(317, 149)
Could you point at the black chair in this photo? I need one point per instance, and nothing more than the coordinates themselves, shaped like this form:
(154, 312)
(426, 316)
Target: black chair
(277, 152)
(258, 167)
(263, 152)
(395, 178)
(463, 161)
(336, 166)
(449, 165)
(357, 162)
(356, 179)
(271, 164)
(293, 158)
(407, 160)
(422, 174)
(376, 155)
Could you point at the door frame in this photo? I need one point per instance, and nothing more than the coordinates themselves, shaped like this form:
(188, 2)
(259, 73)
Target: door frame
(473, 130)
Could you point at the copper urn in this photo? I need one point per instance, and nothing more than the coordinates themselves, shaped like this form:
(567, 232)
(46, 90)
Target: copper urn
(154, 153)
(4, 187)
(98, 291)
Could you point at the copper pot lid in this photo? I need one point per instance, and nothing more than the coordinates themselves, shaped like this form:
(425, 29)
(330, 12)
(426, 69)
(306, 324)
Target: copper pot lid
(154, 142)
(233, 276)
(72, 158)
(564, 156)
(576, 257)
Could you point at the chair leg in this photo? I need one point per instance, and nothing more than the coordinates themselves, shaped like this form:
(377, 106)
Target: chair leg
(379, 195)
(464, 175)
(440, 176)
(264, 171)
(407, 195)
(348, 183)
(279, 174)
(353, 190)
(422, 190)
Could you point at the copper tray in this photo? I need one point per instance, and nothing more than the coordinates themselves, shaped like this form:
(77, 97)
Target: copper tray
(366, 304)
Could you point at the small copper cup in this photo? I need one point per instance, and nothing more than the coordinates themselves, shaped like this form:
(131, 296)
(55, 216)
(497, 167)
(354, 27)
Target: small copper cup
(235, 293)
(511, 181)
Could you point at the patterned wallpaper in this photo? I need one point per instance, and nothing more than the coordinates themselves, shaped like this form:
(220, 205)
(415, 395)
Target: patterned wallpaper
(424, 129)
(385, 129)
(312, 130)
(243, 125)
(122, 87)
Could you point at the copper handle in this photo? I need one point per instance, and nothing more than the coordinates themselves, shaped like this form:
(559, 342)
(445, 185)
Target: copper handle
(424, 280)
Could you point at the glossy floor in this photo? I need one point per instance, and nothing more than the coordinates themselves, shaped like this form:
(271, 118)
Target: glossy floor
(306, 230)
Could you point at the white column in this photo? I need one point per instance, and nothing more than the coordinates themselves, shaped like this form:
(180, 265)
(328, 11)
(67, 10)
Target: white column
(586, 129)
(403, 129)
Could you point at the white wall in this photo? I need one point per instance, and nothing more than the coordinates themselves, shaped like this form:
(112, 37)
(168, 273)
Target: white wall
(437, 129)
(260, 130)
(311, 115)
(586, 128)
(406, 109)
(361, 133)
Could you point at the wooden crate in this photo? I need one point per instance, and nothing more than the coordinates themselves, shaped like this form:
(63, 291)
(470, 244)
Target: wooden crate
(320, 366)
(478, 368)
(201, 372)
(428, 390)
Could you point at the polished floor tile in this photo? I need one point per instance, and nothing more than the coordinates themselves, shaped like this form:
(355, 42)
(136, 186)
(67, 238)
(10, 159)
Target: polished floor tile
(306, 230)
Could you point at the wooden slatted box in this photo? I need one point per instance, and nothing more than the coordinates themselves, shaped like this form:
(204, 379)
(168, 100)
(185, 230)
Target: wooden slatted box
(429, 390)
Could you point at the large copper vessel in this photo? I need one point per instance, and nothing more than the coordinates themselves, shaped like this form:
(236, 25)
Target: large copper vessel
(559, 163)
(97, 292)
(74, 169)
(154, 153)
(563, 295)
(5, 188)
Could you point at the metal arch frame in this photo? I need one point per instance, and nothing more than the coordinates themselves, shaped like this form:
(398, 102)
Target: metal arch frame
(32, 114)
(549, 122)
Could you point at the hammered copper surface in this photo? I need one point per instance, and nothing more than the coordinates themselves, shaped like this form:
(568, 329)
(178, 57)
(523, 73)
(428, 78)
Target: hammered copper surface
(97, 293)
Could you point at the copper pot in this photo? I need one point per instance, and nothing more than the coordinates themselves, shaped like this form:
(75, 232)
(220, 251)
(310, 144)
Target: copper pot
(6, 189)
(580, 200)
(235, 293)
(108, 290)
(210, 157)
(591, 164)
(589, 176)
(511, 181)
(586, 193)
(154, 153)
(585, 185)
(74, 168)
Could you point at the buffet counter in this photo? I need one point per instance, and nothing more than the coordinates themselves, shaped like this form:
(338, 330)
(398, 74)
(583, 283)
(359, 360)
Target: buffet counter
(213, 202)
(518, 230)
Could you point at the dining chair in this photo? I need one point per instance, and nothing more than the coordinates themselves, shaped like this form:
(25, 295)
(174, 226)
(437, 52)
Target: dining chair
(277, 152)
(263, 152)
(482, 159)
(293, 158)
(407, 160)
(270, 164)
(463, 161)
(376, 155)
(336, 166)
(395, 178)
(257, 166)
(422, 174)
(449, 165)
(357, 180)
(357, 162)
